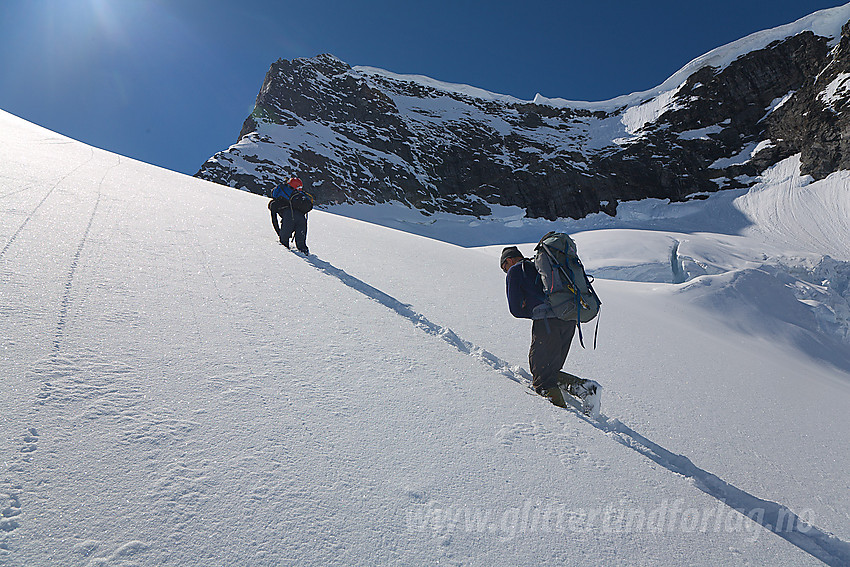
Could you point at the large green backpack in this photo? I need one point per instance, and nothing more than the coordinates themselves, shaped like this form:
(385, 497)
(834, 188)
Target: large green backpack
(569, 290)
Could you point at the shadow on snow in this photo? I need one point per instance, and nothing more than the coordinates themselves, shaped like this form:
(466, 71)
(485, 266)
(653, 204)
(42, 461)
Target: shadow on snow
(772, 516)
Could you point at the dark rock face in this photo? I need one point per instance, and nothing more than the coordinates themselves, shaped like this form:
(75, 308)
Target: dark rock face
(362, 135)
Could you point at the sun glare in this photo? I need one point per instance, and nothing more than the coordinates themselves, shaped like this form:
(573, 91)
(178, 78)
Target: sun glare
(106, 19)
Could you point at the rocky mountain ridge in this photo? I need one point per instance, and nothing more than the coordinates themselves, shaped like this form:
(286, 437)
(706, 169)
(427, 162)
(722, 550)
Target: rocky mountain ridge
(362, 135)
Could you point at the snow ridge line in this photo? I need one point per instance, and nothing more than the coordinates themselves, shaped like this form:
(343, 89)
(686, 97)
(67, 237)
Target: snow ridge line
(772, 516)
(514, 373)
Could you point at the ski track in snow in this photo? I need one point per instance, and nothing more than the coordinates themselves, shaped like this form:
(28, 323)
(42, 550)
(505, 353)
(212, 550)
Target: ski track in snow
(40, 203)
(66, 296)
(88, 388)
(772, 516)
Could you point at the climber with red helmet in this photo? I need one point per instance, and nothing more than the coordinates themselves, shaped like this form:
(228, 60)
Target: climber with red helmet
(292, 203)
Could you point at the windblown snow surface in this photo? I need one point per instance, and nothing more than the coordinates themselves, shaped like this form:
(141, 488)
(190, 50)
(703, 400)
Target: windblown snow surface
(178, 389)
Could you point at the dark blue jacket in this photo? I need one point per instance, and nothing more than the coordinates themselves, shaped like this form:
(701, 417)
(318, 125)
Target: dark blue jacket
(524, 288)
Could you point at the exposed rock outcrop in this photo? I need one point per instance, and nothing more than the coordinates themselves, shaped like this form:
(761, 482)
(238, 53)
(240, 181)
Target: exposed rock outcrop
(365, 135)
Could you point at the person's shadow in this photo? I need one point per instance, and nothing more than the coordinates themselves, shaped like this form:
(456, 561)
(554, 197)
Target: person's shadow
(772, 516)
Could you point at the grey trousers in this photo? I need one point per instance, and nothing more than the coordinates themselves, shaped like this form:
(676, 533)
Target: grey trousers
(550, 345)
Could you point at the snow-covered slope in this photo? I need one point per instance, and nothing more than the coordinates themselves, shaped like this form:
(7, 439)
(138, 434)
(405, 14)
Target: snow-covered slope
(180, 390)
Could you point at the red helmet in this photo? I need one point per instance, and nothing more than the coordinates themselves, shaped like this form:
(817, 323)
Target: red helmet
(295, 183)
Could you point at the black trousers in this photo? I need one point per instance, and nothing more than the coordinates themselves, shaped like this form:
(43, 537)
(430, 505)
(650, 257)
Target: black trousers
(293, 221)
(550, 345)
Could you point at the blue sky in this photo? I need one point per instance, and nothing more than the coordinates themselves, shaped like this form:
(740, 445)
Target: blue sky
(170, 82)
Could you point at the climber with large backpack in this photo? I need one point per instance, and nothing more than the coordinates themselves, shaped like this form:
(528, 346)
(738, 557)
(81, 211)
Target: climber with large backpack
(291, 203)
(553, 290)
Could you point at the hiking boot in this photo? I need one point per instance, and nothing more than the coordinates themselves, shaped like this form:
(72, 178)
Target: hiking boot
(589, 392)
(583, 389)
(567, 381)
(555, 396)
